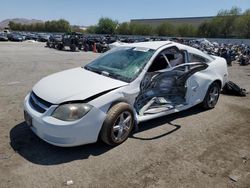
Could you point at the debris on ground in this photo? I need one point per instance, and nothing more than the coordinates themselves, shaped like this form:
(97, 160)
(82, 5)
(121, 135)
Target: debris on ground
(69, 182)
(234, 176)
(245, 159)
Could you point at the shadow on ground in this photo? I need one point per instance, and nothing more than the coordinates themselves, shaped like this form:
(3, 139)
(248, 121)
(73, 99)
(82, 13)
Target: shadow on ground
(37, 151)
(165, 121)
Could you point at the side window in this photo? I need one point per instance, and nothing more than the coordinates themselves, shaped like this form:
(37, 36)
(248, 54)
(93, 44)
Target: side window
(197, 58)
(174, 56)
(169, 57)
(159, 63)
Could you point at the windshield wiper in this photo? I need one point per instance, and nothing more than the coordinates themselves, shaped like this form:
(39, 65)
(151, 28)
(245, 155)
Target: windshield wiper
(107, 74)
(93, 70)
(117, 76)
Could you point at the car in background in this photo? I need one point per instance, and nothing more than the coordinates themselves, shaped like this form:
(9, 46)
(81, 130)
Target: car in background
(54, 40)
(121, 88)
(15, 37)
(73, 40)
(43, 37)
(3, 37)
(31, 36)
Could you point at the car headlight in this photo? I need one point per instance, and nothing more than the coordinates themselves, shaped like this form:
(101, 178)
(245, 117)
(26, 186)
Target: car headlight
(71, 111)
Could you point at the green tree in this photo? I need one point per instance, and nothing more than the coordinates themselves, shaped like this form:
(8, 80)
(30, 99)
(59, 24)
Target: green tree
(92, 29)
(225, 21)
(207, 29)
(186, 30)
(165, 29)
(11, 25)
(124, 29)
(49, 26)
(243, 25)
(106, 26)
(63, 26)
(141, 29)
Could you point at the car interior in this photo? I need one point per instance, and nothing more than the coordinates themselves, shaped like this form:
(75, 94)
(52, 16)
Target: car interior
(170, 57)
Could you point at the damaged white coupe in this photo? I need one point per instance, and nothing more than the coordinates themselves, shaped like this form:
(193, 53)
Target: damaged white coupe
(121, 88)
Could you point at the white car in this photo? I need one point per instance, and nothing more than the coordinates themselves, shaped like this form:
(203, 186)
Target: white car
(121, 88)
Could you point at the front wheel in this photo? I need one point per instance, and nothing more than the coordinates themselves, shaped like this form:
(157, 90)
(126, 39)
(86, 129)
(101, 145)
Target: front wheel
(117, 125)
(212, 96)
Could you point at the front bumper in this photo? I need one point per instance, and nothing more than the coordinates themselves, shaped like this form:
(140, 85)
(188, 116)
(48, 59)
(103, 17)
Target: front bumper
(65, 133)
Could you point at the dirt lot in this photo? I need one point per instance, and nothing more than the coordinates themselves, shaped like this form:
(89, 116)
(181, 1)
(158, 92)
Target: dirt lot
(194, 148)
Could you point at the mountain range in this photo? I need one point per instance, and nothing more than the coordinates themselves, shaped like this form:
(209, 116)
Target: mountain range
(5, 23)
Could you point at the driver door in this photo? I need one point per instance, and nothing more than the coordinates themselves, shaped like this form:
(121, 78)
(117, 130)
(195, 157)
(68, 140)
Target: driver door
(164, 86)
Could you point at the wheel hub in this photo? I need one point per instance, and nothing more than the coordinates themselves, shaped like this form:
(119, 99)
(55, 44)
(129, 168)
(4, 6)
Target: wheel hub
(122, 126)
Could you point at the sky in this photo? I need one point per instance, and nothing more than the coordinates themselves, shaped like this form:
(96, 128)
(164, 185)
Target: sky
(82, 12)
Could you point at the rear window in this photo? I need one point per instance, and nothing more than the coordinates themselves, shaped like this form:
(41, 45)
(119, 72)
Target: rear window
(197, 58)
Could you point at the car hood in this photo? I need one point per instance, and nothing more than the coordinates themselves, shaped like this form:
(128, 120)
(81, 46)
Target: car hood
(74, 84)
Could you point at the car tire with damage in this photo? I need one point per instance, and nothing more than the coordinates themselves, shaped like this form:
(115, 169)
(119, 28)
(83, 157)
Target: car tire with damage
(118, 124)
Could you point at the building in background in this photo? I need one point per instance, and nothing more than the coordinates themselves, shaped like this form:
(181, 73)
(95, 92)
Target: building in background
(195, 21)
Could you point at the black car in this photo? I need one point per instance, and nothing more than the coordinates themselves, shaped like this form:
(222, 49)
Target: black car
(54, 40)
(31, 36)
(72, 40)
(15, 37)
(43, 37)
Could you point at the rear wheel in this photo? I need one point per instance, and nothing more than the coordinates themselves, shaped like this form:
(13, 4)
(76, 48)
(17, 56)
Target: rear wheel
(212, 96)
(117, 125)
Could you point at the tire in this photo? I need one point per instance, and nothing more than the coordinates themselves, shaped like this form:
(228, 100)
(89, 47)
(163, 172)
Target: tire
(79, 47)
(212, 96)
(117, 125)
(60, 46)
(73, 47)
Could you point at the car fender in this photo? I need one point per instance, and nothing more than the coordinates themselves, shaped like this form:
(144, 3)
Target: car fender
(125, 94)
(217, 71)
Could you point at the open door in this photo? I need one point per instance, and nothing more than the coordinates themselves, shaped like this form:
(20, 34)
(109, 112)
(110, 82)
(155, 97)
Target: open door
(164, 85)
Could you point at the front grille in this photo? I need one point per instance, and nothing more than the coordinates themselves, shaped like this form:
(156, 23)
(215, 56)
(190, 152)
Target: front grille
(38, 104)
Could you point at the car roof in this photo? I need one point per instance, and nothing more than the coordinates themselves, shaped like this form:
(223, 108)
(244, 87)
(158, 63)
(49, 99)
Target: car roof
(155, 45)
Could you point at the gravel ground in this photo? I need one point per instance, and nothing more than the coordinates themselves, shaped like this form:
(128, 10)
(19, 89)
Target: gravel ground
(193, 148)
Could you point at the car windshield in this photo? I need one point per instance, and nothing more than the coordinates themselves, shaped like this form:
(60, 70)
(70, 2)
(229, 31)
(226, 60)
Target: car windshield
(123, 63)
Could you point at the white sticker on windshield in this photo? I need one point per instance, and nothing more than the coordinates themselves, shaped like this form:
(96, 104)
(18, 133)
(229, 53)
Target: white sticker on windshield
(141, 49)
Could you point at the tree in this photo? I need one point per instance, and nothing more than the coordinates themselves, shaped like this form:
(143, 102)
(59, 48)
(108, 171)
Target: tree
(141, 29)
(63, 26)
(207, 29)
(12, 25)
(243, 25)
(92, 29)
(106, 26)
(165, 29)
(124, 29)
(225, 21)
(49, 26)
(186, 30)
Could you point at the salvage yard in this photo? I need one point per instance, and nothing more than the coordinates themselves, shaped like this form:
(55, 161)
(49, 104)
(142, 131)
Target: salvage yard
(194, 148)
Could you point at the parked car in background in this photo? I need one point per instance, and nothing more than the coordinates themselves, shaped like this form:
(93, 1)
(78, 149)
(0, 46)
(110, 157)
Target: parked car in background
(3, 37)
(125, 86)
(43, 37)
(54, 40)
(72, 40)
(16, 37)
(31, 36)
